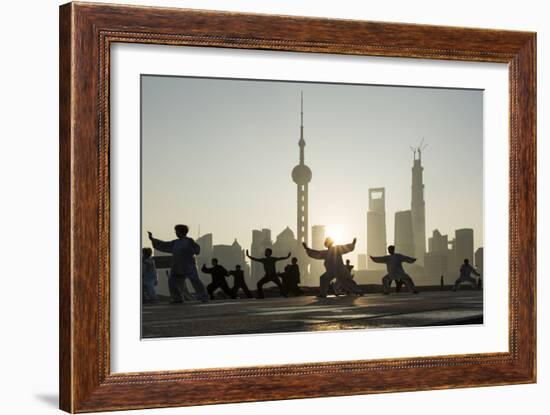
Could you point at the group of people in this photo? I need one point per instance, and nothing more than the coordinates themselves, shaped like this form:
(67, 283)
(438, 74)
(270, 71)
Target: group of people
(337, 276)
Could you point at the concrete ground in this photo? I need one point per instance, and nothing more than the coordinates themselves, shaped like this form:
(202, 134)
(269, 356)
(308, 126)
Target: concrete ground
(308, 313)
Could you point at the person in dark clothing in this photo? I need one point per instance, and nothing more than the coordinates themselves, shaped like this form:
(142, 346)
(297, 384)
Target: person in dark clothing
(291, 278)
(238, 281)
(270, 272)
(218, 279)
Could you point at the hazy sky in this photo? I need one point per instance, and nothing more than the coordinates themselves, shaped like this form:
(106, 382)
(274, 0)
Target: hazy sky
(219, 153)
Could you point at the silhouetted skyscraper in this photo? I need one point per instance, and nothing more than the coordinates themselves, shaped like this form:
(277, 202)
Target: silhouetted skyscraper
(403, 238)
(301, 174)
(376, 226)
(479, 260)
(418, 210)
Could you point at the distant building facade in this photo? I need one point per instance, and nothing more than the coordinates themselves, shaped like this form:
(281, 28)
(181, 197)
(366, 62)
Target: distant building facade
(376, 226)
(479, 260)
(439, 260)
(361, 262)
(231, 255)
(403, 238)
(463, 246)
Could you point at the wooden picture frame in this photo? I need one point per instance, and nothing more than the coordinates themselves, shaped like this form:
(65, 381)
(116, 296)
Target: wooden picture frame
(86, 33)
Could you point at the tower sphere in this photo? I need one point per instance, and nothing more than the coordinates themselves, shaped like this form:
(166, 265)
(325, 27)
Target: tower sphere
(301, 174)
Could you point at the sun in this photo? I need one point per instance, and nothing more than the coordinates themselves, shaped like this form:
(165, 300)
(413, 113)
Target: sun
(337, 232)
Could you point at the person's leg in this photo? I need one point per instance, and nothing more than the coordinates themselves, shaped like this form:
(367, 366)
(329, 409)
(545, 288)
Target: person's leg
(151, 293)
(472, 281)
(348, 285)
(407, 280)
(198, 286)
(246, 290)
(259, 285)
(386, 282)
(175, 289)
(275, 279)
(457, 283)
(210, 288)
(228, 291)
(324, 282)
(398, 285)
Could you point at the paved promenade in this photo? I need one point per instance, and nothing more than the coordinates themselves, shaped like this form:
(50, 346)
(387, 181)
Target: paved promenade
(308, 313)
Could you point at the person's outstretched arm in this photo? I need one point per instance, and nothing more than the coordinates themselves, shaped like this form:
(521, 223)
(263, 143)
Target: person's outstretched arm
(379, 259)
(475, 271)
(314, 253)
(206, 270)
(159, 245)
(252, 258)
(408, 259)
(344, 249)
(283, 257)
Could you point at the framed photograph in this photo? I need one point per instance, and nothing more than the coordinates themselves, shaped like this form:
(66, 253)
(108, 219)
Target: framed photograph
(258, 207)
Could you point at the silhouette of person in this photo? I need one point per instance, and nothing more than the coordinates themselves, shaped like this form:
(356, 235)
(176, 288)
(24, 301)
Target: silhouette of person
(442, 282)
(348, 266)
(291, 278)
(184, 290)
(239, 282)
(270, 272)
(184, 265)
(394, 266)
(149, 277)
(218, 279)
(336, 287)
(465, 275)
(334, 266)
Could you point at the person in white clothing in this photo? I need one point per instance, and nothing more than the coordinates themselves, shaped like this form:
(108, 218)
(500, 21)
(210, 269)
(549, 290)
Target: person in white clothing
(394, 266)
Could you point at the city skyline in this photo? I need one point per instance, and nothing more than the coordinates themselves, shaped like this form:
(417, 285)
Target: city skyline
(326, 199)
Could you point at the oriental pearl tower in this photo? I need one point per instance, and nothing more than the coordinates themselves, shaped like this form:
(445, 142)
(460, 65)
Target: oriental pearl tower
(301, 175)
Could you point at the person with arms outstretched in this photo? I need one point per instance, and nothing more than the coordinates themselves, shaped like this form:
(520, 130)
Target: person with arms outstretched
(465, 275)
(239, 282)
(218, 279)
(394, 265)
(270, 271)
(334, 266)
(184, 265)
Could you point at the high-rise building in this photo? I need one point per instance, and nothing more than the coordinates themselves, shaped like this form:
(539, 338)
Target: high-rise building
(418, 210)
(361, 262)
(376, 226)
(301, 175)
(479, 260)
(317, 242)
(463, 246)
(403, 238)
(229, 256)
(261, 239)
(439, 260)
